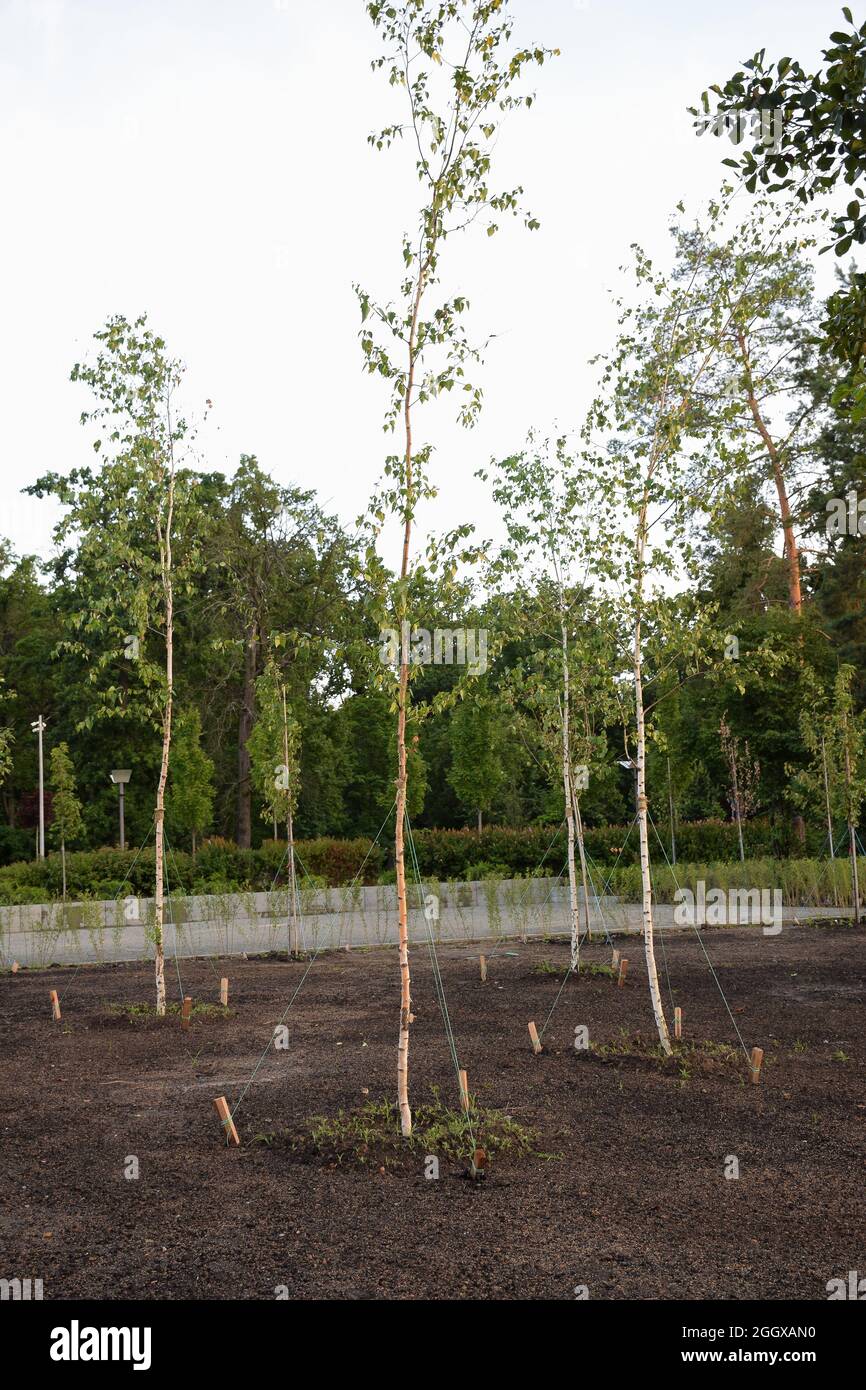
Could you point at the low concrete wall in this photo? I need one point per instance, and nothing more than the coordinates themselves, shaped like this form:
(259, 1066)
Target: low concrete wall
(252, 923)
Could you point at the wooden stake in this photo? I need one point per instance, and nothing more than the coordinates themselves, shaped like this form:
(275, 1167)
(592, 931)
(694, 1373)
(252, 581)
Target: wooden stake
(224, 992)
(482, 961)
(15, 967)
(623, 970)
(614, 960)
(55, 1005)
(678, 1022)
(226, 1120)
(757, 1059)
(533, 1033)
(464, 1093)
(186, 1012)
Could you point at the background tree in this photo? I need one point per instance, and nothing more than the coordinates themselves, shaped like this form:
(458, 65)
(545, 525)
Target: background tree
(274, 749)
(568, 682)
(813, 140)
(190, 793)
(844, 735)
(477, 735)
(67, 821)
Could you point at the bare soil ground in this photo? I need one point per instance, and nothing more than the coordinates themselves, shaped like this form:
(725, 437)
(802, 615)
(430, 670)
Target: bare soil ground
(634, 1202)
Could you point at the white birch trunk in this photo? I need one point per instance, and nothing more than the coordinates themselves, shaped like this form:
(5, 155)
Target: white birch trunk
(852, 838)
(567, 789)
(294, 937)
(578, 821)
(642, 816)
(159, 814)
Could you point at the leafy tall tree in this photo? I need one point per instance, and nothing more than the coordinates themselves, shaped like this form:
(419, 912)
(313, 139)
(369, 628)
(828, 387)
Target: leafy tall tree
(134, 530)
(456, 67)
(811, 142)
(476, 772)
(279, 565)
(67, 821)
(644, 444)
(568, 685)
(190, 794)
(835, 735)
(274, 746)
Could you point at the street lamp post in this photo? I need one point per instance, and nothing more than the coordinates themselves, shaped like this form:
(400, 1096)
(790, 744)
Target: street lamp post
(120, 776)
(38, 727)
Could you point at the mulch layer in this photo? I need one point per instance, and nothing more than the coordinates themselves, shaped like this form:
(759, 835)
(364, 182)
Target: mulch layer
(627, 1194)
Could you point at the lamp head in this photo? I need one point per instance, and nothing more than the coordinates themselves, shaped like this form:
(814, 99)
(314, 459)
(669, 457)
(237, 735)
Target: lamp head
(121, 775)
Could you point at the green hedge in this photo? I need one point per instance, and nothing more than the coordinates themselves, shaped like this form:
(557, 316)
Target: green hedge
(220, 866)
(447, 853)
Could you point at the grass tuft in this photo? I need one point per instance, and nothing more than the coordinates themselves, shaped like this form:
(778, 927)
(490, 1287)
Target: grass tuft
(371, 1133)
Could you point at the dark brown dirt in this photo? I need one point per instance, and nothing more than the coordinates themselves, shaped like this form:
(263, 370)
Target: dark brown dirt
(635, 1205)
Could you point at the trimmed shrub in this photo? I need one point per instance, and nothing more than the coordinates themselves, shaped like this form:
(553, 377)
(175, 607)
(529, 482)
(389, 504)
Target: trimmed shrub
(220, 866)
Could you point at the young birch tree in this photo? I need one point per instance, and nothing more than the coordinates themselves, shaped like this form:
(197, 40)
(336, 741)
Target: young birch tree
(126, 520)
(456, 66)
(641, 479)
(274, 746)
(835, 736)
(66, 819)
(568, 687)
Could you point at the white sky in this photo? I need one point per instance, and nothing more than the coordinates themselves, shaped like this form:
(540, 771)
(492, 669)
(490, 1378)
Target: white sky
(206, 161)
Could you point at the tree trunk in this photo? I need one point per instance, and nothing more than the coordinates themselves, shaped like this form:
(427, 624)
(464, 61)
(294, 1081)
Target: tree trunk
(739, 818)
(243, 829)
(159, 814)
(402, 776)
(792, 550)
(642, 814)
(673, 827)
(852, 839)
(294, 941)
(578, 820)
(829, 818)
(568, 790)
(403, 916)
(479, 822)
(63, 865)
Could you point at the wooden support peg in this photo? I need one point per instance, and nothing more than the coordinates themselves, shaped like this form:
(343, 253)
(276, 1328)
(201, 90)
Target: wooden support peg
(757, 1059)
(226, 1120)
(185, 1012)
(614, 959)
(678, 1022)
(15, 967)
(464, 1093)
(623, 971)
(533, 1034)
(477, 1164)
(224, 992)
(55, 1005)
(482, 961)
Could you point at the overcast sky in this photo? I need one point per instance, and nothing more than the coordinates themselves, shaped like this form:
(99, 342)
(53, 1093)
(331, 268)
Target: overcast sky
(206, 161)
